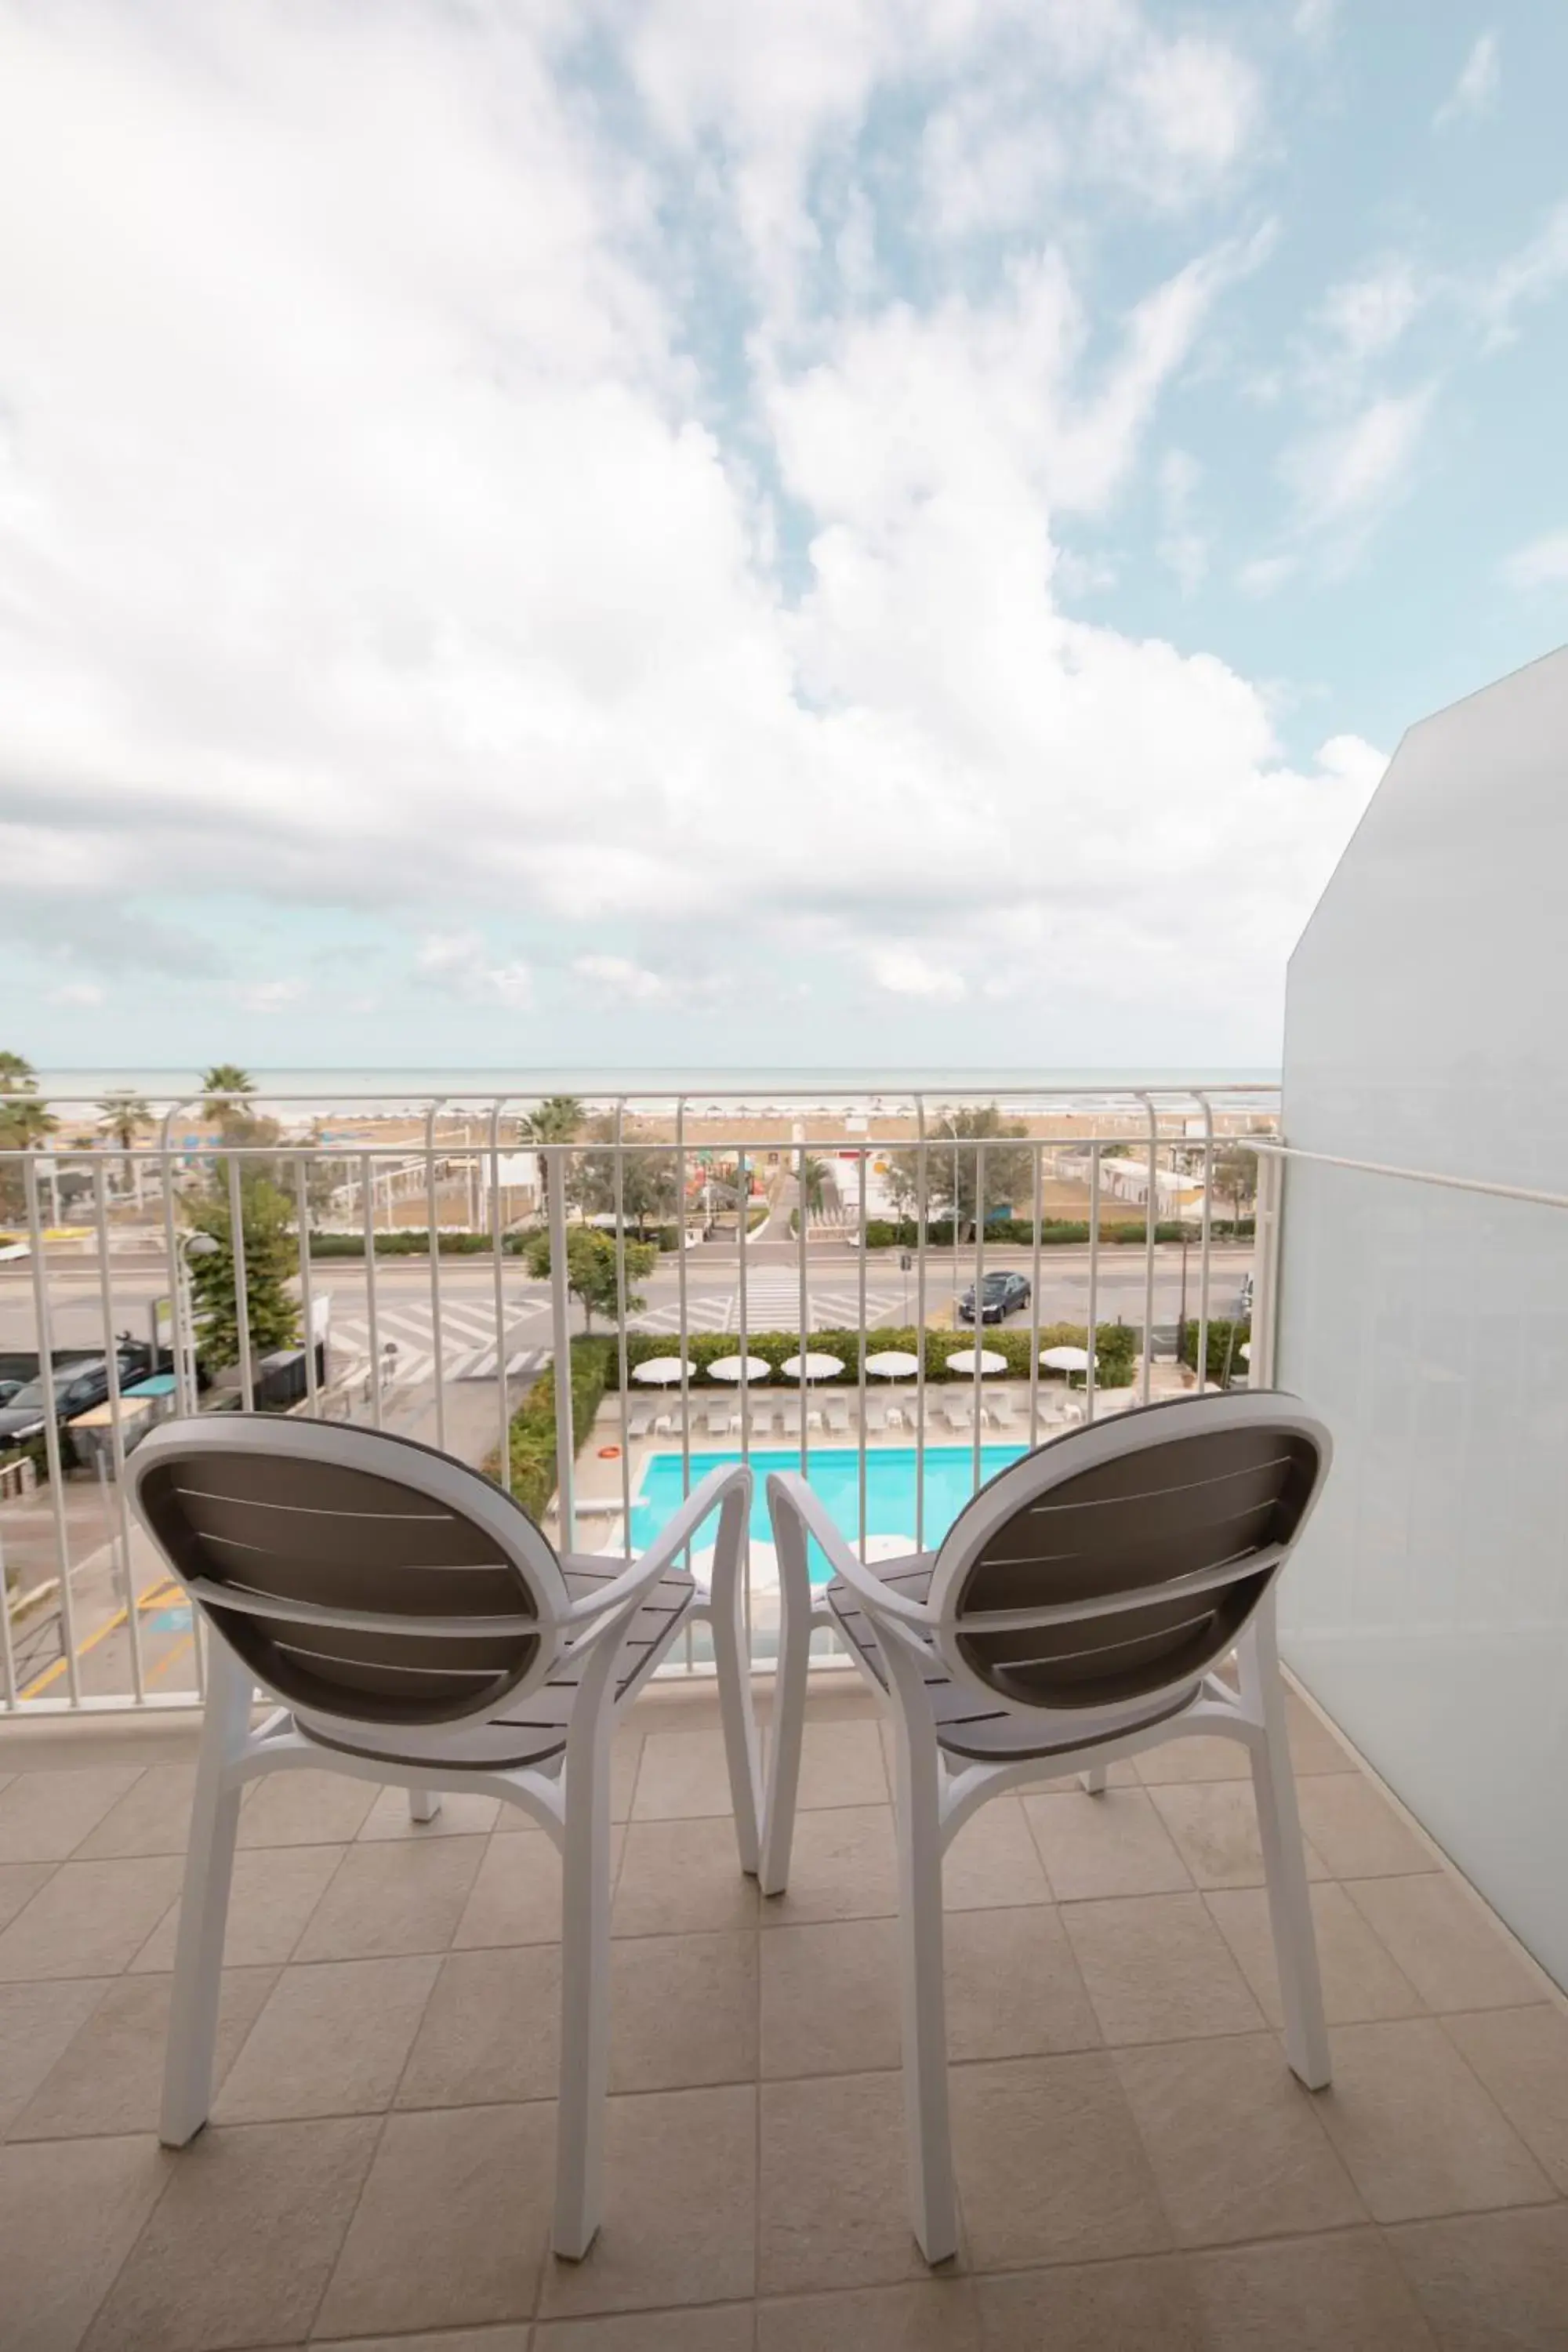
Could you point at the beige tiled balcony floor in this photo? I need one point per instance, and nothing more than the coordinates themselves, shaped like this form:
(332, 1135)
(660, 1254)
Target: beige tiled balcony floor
(1138, 2170)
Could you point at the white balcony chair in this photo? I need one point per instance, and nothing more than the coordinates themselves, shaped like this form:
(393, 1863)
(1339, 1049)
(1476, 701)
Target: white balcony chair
(417, 1628)
(1074, 1614)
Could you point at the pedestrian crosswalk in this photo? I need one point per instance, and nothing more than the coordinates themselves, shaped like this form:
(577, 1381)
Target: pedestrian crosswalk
(773, 1304)
(467, 1338)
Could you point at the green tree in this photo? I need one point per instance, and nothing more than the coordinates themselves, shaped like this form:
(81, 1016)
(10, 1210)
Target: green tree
(1235, 1177)
(591, 1269)
(225, 1078)
(650, 1190)
(25, 1124)
(557, 1119)
(952, 1159)
(122, 1115)
(811, 1178)
(267, 1227)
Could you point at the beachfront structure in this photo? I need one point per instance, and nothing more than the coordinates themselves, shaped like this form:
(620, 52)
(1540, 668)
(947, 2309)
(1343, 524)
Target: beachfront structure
(1131, 2161)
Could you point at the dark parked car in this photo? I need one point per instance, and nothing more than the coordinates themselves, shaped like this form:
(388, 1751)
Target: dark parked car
(77, 1388)
(1000, 1295)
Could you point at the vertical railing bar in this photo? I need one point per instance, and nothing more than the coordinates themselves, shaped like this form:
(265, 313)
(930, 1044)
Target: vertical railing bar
(51, 1427)
(116, 1430)
(979, 1325)
(685, 1321)
(306, 1297)
(921, 1212)
(1035, 1301)
(1266, 1281)
(1150, 1218)
(367, 1227)
(7, 1655)
(802, 1336)
(181, 1340)
(1092, 1337)
(622, 1356)
(498, 1271)
(743, 1187)
(241, 1286)
(554, 1158)
(864, 1335)
(433, 1235)
(1204, 1261)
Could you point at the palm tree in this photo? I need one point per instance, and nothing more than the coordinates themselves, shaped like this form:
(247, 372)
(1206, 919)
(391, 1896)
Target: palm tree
(557, 1119)
(123, 1115)
(25, 1122)
(814, 1184)
(225, 1078)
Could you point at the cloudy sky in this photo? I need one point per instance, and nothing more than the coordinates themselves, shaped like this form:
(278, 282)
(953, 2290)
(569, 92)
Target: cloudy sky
(810, 531)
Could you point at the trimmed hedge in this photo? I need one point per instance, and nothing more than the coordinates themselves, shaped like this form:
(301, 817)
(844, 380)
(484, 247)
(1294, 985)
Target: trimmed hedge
(531, 1439)
(889, 1232)
(1225, 1341)
(414, 1241)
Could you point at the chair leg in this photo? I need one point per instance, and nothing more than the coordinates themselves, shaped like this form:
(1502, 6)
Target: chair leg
(927, 2123)
(584, 1999)
(1094, 1781)
(424, 1804)
(1284, 1861)
(789, 1702)
(732, 1661)
(203, 1904)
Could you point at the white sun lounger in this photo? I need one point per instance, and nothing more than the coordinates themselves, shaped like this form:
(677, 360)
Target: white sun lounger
(837, 1413)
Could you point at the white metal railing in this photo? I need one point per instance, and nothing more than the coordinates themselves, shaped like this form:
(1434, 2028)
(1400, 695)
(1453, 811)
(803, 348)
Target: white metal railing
(96, 1629)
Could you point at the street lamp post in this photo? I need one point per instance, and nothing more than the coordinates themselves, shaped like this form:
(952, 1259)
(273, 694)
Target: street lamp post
(194, 1245)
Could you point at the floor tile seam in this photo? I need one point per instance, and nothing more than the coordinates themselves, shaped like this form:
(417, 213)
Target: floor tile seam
(333, 2267)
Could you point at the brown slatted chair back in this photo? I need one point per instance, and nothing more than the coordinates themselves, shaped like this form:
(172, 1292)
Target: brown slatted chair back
(359, 1576)
(1106, 1573)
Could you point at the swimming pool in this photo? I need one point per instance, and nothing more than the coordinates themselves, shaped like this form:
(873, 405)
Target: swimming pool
(834, 1475)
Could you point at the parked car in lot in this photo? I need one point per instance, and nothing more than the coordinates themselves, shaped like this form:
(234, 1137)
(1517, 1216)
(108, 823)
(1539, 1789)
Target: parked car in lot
(1000, 1295)
(77, 1388)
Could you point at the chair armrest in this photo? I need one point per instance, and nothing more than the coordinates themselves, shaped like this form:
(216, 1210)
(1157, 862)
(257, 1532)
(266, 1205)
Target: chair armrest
(641, 1574)
(788, 1490)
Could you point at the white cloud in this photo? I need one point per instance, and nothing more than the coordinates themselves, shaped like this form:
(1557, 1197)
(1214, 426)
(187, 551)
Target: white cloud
(1540, 564)
(459, 963)
(1531, 275)
(272, 995)
(908, 971)
(1344, 477)
(373, 537)
(1361, 318)
(1475, 90)
(81, 994)
(621, 981)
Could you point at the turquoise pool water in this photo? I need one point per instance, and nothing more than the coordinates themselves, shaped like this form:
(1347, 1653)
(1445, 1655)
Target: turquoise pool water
(834, 1475)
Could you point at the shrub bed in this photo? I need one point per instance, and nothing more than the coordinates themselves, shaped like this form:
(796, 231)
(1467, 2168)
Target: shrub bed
(887, 1233)
(1227, 1339)
(531, 1437)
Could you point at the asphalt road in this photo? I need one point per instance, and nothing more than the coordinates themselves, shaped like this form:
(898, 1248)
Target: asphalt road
(712, 1295)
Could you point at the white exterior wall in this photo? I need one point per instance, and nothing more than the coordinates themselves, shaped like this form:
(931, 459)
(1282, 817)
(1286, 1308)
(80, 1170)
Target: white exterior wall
(1426, 1027)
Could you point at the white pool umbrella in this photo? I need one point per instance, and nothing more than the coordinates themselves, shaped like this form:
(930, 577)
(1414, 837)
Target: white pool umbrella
(1064, 1359)
(966, 1360)
(1245, 1352)
(891, 1547)
(736, 1368)
(814, 1366)
(764, 1566)
(893, 1364)
(660, 1371)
